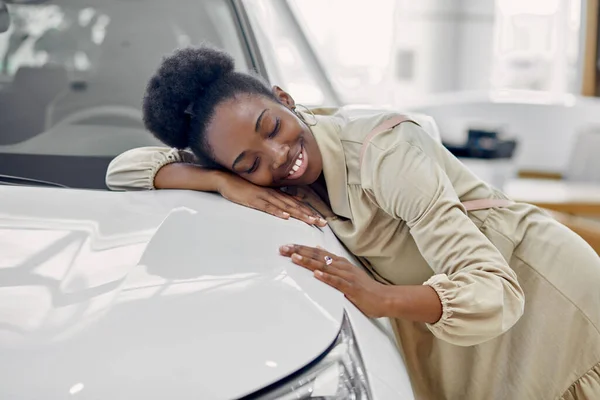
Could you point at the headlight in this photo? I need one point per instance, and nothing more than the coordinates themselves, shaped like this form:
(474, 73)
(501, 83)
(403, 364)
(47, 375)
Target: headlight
(338, 374)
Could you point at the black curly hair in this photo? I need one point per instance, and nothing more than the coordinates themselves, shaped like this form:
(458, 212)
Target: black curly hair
(181, 96)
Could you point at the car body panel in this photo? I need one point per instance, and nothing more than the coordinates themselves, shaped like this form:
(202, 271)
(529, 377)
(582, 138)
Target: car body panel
(162, 294)
(102, 288)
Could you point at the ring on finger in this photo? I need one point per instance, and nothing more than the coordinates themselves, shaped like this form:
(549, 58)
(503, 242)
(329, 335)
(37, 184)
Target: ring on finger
(328, 261)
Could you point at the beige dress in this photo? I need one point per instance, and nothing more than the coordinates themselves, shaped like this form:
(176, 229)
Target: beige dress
(520, 292)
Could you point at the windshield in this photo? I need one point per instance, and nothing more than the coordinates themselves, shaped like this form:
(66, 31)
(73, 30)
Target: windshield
(73, 73)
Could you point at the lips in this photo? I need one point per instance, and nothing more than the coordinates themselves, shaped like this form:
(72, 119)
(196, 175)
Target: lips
(299, 166)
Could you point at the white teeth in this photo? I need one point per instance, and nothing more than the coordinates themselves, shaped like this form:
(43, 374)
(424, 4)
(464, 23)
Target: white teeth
(296, 165)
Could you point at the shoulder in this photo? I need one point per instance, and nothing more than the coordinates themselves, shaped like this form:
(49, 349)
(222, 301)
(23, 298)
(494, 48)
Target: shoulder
(356, 128)
(407, 145)
(408, 132)
(357, 137)
(359, 121)
(381, 131)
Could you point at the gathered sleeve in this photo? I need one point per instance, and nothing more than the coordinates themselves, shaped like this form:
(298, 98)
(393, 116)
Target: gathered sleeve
(480, 295)
(136, 169)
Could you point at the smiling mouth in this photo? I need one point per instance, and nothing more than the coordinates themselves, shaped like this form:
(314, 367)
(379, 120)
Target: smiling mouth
(298, 166)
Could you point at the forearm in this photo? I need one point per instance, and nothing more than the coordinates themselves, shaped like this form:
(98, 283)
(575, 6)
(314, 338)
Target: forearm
(188, 177)
(418, 303)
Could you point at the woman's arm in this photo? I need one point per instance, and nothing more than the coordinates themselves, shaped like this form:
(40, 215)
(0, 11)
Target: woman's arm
(414, 303)
(137, 169)
(419, 303)
(148, 168)
(479, 293)
(188, 177)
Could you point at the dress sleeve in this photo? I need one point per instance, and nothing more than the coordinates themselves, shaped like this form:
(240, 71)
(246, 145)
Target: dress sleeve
(135, 169)
(480, 295)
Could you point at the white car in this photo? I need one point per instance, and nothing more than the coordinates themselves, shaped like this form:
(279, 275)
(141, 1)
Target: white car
(174, 294)
(158, 294)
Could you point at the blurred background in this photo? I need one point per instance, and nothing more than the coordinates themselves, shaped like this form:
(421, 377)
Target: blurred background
(511, 86)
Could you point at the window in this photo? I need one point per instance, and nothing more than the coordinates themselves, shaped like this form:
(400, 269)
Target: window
(355, 40)
(289, 57)
(72, 79)
(400, 53)
(537, 45)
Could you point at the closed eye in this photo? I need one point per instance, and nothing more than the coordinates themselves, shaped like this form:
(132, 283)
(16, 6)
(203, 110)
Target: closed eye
(254, 166)
(276, 129)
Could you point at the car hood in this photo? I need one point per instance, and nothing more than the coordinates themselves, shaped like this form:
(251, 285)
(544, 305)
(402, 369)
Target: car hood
(166, 294)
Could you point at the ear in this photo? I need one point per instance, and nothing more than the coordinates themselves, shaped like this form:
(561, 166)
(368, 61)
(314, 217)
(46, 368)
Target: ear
(284, 97)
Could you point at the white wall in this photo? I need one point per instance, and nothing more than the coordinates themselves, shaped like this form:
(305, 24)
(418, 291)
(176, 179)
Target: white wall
(454, 42)
(476, 37)
(451, 42)
(464, 45)
(537, 45)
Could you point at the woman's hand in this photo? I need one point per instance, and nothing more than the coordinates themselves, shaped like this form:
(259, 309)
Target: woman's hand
(370, 296)
(271, 201)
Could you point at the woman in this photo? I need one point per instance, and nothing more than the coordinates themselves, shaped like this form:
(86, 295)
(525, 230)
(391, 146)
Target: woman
(497, 303)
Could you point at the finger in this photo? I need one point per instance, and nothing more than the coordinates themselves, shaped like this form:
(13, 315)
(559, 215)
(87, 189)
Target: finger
(317, 253)
(269, 208)
(344, 260)
(333, 268)
(294, 211)
(297, 209)
(341, 262)
(306, 262)
(286, 250)
(295, 202)
(305, 251)
(334, 281)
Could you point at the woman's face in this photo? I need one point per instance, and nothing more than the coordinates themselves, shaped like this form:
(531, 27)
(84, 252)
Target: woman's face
(264, 141)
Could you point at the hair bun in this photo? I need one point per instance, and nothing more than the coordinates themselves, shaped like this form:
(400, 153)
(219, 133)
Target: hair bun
(178, 82)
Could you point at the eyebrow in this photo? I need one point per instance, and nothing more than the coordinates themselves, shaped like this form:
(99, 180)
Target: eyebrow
(259, 120)
(238, 159)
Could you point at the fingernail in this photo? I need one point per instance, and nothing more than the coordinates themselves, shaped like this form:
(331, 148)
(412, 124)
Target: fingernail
(285, 248)
(296, 256)
(318, 273)
(287, 215)
(311, 218)
(323, 221)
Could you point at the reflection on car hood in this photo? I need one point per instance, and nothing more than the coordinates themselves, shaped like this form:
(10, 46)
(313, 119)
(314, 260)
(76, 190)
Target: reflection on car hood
(152, 295)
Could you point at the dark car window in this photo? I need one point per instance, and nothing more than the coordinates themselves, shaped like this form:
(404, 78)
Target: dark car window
(73, 72)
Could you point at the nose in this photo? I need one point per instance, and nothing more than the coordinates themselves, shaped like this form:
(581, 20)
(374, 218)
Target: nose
(280, 154)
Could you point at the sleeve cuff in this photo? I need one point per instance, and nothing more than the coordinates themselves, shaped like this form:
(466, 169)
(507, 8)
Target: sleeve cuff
(439, 283)
(170, 158)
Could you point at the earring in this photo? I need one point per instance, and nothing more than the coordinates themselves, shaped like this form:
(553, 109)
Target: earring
(307, 111)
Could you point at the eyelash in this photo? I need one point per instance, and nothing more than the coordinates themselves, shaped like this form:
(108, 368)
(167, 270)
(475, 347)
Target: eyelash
(271, 136)
(276, 130)
(254, 166)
